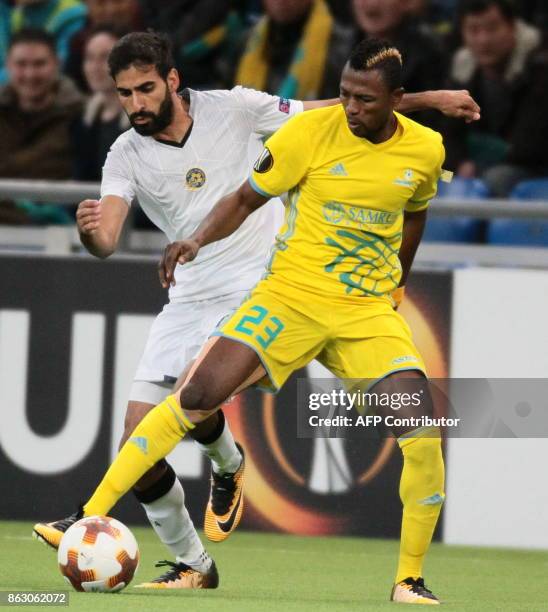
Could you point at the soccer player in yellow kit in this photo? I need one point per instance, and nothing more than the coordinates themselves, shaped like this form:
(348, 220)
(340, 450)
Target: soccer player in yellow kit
(359, 178)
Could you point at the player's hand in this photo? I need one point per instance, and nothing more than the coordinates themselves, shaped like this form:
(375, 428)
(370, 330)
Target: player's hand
(458, 104)
(88, 216)
(177, 252)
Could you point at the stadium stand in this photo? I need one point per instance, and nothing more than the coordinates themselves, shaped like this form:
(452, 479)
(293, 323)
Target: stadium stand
(213, 40)
(519, 232)
(457, 229)
(503, 63)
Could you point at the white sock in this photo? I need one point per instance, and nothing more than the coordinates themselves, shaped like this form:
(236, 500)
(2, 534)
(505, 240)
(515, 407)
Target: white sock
(201, 564)
(224, 454)
(172, 523)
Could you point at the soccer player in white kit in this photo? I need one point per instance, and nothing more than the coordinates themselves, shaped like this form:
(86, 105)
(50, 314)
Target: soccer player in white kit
(184, 153)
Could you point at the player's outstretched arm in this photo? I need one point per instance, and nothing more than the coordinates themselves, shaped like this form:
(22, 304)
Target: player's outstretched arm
(100, 224)
(312, 104)
(452, 103)
(224, 219)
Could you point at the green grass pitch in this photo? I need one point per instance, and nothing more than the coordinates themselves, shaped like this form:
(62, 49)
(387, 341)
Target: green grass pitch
(263, 572)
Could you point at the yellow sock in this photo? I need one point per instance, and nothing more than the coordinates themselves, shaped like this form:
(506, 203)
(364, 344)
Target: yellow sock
(422, 495)
(154, 438)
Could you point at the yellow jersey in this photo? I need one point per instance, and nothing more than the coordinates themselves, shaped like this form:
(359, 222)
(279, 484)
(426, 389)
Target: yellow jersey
(346, 199)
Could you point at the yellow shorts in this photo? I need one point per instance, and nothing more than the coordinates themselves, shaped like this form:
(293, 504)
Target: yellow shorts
(355, 338)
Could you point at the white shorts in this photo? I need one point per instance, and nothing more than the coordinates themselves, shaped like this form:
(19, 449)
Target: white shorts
(175, 339)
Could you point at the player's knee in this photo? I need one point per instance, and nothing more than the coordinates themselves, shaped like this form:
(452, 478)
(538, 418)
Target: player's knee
(195, 396)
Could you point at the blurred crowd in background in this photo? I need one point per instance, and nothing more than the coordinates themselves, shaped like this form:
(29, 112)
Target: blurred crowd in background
(59, 111)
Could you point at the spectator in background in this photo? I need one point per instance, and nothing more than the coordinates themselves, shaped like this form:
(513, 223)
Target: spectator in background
(504, 65)
(61, 18)
(422, 52)
(205, 37)
(125, 15)
(287, 51)
(37, 107)
(103, 118)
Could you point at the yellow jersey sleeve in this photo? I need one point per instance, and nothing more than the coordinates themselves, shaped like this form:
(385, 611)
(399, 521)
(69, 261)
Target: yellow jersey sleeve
(284, 161)
(427, 188)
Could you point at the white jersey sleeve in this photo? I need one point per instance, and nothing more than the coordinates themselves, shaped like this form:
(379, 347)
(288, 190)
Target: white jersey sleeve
(266, 113)
(117, 177)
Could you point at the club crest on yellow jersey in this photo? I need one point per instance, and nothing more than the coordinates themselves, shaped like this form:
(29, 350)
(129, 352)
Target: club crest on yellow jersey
(406, 180)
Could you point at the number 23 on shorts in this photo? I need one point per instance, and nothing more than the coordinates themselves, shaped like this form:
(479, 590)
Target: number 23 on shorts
(263, 328)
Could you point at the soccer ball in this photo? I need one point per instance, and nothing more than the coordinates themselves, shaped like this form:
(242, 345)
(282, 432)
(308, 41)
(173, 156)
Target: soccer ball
(98, 554)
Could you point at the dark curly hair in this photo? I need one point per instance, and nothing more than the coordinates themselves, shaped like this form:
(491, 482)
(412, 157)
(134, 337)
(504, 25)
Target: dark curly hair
(142, 49)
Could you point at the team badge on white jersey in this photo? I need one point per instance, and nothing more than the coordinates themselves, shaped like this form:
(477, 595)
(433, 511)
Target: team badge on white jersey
(195, 178)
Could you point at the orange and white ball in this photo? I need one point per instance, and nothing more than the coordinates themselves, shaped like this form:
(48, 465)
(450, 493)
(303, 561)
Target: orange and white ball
(98, 554)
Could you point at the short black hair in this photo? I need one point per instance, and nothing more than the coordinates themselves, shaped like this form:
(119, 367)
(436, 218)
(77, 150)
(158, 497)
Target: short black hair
(373, 54)
(142, 49)
(33, 35)
(472, 7)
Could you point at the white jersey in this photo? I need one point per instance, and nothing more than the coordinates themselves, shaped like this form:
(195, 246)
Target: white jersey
(177, 184)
